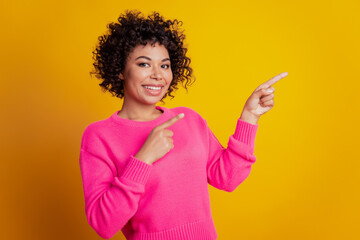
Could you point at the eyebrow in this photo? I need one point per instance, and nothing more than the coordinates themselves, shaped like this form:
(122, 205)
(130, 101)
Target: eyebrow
(165, 59)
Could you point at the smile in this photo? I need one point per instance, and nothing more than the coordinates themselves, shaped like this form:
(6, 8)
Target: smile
(153, 88)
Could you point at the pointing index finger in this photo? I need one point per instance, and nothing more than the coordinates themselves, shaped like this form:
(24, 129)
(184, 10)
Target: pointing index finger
(273, 80)
(276, 78)
(171, 121)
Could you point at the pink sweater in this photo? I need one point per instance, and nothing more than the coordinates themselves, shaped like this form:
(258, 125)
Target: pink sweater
(168, 199)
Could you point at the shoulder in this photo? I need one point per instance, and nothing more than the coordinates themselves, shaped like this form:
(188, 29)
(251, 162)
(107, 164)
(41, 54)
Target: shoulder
(94, 131)
(97, 126)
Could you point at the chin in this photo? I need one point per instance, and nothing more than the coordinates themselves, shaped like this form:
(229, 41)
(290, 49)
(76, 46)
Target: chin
(152, 100)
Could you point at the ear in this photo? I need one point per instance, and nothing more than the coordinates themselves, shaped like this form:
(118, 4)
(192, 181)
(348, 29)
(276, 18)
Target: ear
(121, 76)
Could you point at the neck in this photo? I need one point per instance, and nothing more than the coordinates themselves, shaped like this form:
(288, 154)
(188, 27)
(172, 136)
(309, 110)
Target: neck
(138, 112)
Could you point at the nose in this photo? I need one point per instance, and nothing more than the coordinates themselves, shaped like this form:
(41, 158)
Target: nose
(156, 73)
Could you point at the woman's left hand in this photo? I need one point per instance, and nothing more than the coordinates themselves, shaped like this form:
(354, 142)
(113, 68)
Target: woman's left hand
(261, 100)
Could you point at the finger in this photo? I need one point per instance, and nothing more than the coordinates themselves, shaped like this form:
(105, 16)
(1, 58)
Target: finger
(271, 88)
(272, 81)
(275, 79)
(268, 103)
(169, 145)
(171, 121)
(168, 133)
(267, 98)
(264, 92)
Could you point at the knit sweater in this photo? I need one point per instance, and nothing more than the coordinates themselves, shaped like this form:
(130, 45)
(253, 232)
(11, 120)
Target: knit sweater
(168, 199)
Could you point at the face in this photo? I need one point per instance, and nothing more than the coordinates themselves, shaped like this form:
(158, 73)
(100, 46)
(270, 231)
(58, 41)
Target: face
(147, 75)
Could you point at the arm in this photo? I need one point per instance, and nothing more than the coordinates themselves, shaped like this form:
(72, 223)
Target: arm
(111, 199)
(228, 167)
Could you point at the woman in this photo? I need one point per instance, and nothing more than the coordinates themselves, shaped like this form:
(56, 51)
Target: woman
(146, 168)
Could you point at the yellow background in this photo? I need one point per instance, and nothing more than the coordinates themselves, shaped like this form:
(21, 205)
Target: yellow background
(305, 183)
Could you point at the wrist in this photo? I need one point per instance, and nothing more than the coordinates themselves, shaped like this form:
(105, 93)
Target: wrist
(143, 158)
(249, 117)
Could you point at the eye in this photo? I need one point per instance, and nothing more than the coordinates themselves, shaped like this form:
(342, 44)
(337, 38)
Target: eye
(165, 65)
(143, 64)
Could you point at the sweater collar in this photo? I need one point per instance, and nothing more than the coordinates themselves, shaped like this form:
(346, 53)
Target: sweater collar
(133, 123)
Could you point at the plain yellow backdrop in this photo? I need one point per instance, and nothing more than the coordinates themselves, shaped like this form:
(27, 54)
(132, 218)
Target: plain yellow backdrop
(305, 183)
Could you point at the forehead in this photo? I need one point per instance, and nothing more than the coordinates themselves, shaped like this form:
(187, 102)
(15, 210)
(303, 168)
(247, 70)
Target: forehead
(155, 52)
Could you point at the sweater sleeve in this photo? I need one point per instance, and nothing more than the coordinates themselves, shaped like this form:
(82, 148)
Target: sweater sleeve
(111, 198)
(228, 167)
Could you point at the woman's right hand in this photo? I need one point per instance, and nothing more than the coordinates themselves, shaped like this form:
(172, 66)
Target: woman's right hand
(158, 142)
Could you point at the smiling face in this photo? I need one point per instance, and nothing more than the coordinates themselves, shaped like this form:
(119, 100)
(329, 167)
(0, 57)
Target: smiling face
(147, 75)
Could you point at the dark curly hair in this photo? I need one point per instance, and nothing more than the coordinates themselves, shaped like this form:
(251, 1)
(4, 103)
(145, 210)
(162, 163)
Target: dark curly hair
(133, 29)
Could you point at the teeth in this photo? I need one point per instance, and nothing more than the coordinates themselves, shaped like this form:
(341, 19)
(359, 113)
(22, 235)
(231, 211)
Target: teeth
(152, 88)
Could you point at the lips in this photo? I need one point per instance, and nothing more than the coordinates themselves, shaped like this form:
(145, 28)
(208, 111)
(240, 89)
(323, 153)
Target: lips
(153, 85)
(153, 90)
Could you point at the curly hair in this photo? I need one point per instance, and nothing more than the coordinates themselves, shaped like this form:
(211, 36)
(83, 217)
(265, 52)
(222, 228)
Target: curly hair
(134, 29)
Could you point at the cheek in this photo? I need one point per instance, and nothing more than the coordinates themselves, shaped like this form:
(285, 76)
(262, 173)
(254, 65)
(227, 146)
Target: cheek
(169, 77)
(136, 76)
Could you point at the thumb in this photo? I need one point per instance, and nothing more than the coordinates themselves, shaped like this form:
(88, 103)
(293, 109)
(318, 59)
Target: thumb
(263, 91)
(171, 121)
